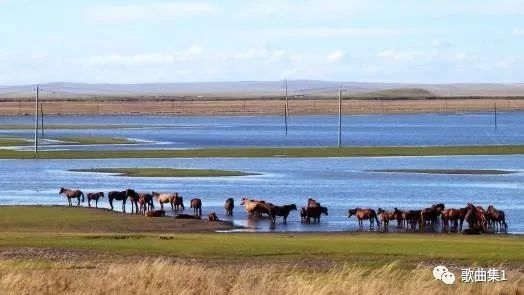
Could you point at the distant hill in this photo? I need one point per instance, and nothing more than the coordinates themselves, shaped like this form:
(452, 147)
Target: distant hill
(299, 88)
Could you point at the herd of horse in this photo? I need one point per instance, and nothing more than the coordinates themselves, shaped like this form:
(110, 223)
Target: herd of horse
(451, 219)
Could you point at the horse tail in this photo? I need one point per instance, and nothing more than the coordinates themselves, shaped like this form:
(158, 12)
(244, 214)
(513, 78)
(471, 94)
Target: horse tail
(82, 194)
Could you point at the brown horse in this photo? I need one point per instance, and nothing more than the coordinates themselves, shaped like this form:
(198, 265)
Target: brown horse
(119, 196)
(95, 197)
(411, 218)
(145, 202)
(156, 213)
(453, 215)
(497, 219)
(398, 216)
(475, 218)
(282, 211)
(72, 194)
(229, 206)
(385, 217)
(429, 216)
(314, 210)
(363, 214)
(196, 204)
(250, 206)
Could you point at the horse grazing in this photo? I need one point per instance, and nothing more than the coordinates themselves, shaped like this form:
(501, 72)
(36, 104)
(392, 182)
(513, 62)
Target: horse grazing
(72, 194)
(134, 198)
(119, 196)
(94, 196)
(165, 198)
(196, 204)
(282, 211)
(497, 218)
(430, 215)
(363, 214)
(229, 205)
(156, 213)
(212, 217)
(145, 202)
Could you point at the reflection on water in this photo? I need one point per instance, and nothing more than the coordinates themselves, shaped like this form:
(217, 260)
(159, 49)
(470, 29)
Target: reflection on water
(338, 183)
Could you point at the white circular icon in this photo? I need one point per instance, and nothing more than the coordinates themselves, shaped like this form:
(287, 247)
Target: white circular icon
(448, 278)
(438, 271)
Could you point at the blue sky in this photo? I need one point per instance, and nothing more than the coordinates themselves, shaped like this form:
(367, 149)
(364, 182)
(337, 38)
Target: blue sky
(115, 41)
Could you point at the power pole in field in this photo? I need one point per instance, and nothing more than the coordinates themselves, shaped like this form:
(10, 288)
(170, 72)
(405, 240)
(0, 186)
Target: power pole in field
(36, 118)
(286, 108)
(339, 117)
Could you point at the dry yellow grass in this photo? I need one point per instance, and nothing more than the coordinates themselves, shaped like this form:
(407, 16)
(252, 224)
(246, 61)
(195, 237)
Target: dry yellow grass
(167, 277)
(265, 107)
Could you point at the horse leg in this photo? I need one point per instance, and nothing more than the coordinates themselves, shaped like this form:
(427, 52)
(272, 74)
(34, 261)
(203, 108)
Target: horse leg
(89, 203)
(96, 203)
(124, 205)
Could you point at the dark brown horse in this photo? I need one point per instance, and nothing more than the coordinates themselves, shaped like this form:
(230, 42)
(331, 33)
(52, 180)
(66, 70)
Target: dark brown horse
(72, 194)
(398, 216)
(314, 210)
(476, 219)
(282, 211)
(429, 216)
(119, 196)
(229, 206)
(411, 218)
(363, 214)
(497, 219)
(212, 217)
(145, 202)
(178, 202)
(196, 204)
(385, 217)
(453, 216)
(134, 198)
(95, 197)
(156, 213)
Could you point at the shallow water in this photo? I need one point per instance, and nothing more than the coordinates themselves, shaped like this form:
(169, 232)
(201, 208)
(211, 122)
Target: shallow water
(338, 183)
(172, 132)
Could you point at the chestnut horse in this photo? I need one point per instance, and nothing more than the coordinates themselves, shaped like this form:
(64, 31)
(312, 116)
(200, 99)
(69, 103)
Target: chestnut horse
(497, 218)
(119, 196)
(145, 202)
(385, 217)
(94, 196)
(363, 214)
(430, 215)
(72, 194)
(196, 204)
(229, 206)
(411, 218)
(453, 215)
(313, 210)
(178, 202)
(475, 218)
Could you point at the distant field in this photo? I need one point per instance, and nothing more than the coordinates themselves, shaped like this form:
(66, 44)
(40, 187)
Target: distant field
(266, 106)
(308, 152)
(165, 172)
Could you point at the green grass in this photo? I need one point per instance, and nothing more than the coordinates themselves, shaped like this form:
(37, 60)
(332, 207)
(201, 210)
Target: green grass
(77, 228)
(95, 140)
(306, 152)
(165, 172)
(447, 171)
(67, 126)
(12, 141)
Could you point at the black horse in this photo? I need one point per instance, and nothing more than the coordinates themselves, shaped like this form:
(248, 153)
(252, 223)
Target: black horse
(133, 198)
(119, 196)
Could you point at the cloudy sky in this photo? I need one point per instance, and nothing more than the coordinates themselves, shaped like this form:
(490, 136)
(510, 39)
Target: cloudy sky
(112, 41)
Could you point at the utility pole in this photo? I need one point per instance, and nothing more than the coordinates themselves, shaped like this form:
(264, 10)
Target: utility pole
(339, 117)
(36, 119)
(42, 119)
(286, 109)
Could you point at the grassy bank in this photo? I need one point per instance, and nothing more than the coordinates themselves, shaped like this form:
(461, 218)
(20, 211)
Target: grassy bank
(116, 233)
(67, 126)
(307, 152)
(95, 140)
(12, 141)
(165, 172)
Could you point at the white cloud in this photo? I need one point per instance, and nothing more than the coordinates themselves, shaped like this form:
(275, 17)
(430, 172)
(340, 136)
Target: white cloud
(335, 56)
(150, 59)
(156, 11)
(334, 32)
(518, 32)
(399, 55)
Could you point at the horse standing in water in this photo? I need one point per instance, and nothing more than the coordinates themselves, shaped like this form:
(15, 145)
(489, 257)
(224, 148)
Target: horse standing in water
(196, 204)
(134, 197)
(119, 196)
(94, 196)
(229, 206)
(72, 194)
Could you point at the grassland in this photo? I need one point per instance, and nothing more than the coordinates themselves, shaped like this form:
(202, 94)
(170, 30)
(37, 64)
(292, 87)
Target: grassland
(12, 141)
(68, 126)
(165, 172)
(55, 250)
(306, 152)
